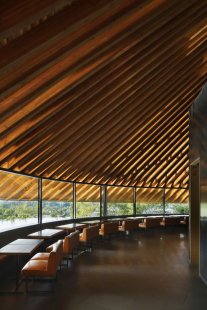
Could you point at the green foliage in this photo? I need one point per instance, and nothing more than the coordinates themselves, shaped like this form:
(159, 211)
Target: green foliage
(152, 208)
(11, 210)
(178, 208)
(149, 208)
(120, 208)
(87, 209)
(57, 209)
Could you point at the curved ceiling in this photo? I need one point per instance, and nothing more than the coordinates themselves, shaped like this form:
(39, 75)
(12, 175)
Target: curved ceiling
(99, 91)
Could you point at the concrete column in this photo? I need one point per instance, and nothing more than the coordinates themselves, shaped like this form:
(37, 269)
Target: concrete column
(194, 223)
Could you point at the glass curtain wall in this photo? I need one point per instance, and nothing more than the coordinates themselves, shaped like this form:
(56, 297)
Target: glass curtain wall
(87, 200)
(176, 201)
(119, 200)
(149, 201)
(18, 200)
(57, 200)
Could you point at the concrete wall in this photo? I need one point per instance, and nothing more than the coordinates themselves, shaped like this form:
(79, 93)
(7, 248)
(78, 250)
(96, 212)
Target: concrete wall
(198, 152)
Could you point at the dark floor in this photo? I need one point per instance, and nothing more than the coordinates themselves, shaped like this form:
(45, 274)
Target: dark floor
(142, 271)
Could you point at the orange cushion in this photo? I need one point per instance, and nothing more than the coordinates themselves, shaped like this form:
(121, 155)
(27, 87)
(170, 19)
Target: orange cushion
(35, 268)
(41, 256)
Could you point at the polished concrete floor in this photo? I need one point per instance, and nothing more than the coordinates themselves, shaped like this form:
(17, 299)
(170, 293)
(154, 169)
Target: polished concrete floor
(141, 271)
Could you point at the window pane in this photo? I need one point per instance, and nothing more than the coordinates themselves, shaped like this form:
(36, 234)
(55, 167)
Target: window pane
(149, 201)
(57, 201)
(18, 200)
(176, 201)
(87, 200)
(119, 200)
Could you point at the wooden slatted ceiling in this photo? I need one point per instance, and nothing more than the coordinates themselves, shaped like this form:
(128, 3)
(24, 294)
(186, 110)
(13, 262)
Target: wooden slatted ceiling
(176, 196)
(17, 187)
(119, 194)
(99, 91)
(149, 195)
(89, 193)
(57, 191)
(16, 12)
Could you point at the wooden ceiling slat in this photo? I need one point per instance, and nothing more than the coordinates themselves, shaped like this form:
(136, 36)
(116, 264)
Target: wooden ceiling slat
(174, 195)
(85, 192)
(43, 78)
(54, 190)
(102, 96)
(146, 151)
(160, 154)
(159, 173)
(56, 72)
(79, 132)
(174, 172)
(18, 187)
(187, 83)
(78, 38)
(149, 164)
(119, 195)
(149, 195)
(109, 13)
(66, 21)
(78, 102)
(15, 12)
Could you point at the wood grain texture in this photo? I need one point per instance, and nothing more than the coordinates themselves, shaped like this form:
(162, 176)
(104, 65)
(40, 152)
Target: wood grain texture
(99, 91)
